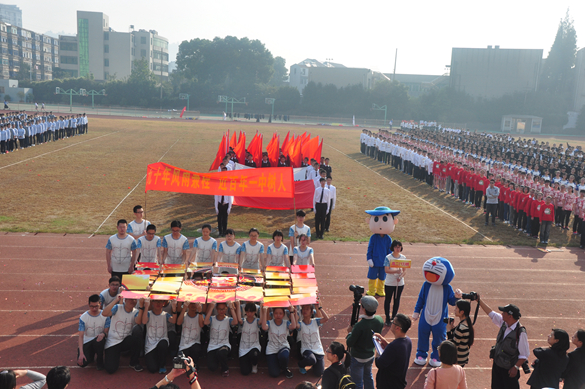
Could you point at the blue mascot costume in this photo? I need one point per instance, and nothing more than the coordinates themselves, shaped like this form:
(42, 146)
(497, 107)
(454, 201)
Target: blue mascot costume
(431, 306)
(382, 222)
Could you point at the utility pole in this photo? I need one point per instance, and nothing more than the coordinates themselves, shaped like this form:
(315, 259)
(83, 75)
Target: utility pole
(395, 58)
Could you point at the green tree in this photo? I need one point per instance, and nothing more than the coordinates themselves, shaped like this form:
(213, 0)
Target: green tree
(557, 75)
(23, 72)
(280, 71)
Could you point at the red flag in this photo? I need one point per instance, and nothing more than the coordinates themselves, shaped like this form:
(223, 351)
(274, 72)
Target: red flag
(310, 147)
(273, 151)
(284, 146)
(233, 141)
(258, 151)
(306, 137)
(220, 154)
(296, 158)
(240, 148)
(318, 152)
(183, 111)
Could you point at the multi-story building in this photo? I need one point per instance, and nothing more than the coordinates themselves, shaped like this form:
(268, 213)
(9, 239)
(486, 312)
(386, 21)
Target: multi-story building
(20, 47)
(579, 96)
(104, 53)
(11, 14)
(417, 84)
(494, 72)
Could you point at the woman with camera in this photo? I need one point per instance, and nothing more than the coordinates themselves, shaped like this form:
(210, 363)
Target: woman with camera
(461, 334)
(551, 362)
(189, 368)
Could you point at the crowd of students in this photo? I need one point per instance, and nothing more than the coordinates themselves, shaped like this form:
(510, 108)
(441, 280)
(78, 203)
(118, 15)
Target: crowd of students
(528, 185)
(19, 130)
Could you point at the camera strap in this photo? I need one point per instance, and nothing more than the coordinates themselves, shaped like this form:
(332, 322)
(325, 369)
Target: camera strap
(476, 311)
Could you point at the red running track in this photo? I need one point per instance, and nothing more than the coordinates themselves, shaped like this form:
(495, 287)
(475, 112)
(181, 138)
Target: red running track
(46, 279)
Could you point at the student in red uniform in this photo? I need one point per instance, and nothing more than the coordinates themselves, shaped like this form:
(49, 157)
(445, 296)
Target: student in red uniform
(535, 211)
(547, 217)
(480, 188)
(528, 210)
(436, 174)
(471, 179)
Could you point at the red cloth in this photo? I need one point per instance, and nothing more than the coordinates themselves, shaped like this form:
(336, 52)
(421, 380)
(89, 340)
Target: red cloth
(536, 208)
(436, 168)
(304, 192)
(528, 206)
(221, 152)
(547, 212)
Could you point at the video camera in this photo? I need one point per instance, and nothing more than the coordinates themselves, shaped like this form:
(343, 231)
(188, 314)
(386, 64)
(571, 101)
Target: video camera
(448, 320)
(179, 362)
(358, 291)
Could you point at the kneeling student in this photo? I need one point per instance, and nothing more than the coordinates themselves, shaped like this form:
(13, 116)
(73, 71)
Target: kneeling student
(93, 329)
(249, 351)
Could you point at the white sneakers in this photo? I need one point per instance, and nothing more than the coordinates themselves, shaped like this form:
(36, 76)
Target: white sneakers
(435, 363)
(422, 361)
(255, 369)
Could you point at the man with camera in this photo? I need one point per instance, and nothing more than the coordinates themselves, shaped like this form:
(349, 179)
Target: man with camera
(181, 365)
(511, 350)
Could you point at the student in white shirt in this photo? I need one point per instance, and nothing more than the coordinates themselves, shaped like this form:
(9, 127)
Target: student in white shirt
(223, 207)
(137, 227)
(249, 350)
(332, 201)
(394, 283)
(311, 347)
(277, 253)
(252, 252)
(296, 230)
(175, 245)
(93, 330)
(321, 207)
(149, 246)
(121, 251)
(303, 254)
(191, 319)
(204, 247)
(229, 249)
(219, 329)
(278, 347)
(108, 295)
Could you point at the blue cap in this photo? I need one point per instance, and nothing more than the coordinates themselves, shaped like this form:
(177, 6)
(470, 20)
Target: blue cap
(379, 211)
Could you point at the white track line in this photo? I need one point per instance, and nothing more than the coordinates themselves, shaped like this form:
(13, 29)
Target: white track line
(62, 148)
(406, 190)
(129, 193)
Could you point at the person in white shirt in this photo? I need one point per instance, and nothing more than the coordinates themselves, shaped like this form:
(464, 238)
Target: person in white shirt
(252, 252)
(249, 350)
(229, 250)
(394, 283)
(223, 207)
(137, 227)
(175, 245)
(93, 330)
(332, 201)
(149, 247)
(108, 295)
(321, 207)
(277, 253)
(191, 319)
(204, 247)
(303, 254)
(121, 251)
(219, 328)
(296, 230)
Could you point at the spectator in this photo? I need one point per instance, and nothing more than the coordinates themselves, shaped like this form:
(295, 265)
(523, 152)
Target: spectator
(333, 374)
(58, 377)
(361, 344)
(450, 375)
(462, 335)
(574, 375)
(166, 382)
(551, 362)
(393, 363)
(8, 379)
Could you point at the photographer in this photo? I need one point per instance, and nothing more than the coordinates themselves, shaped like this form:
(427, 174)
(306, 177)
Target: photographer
(189, 368)
(511, 349)
(461, 335)
(360, 343)
(552, 361)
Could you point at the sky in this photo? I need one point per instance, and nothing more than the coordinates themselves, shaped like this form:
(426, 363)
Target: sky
(354, 34)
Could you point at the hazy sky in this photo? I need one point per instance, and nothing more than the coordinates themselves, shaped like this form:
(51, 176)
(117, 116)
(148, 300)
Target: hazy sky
(353, 33)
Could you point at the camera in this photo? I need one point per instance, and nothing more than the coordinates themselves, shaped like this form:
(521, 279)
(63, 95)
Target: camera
(448, 320)
(179, 362)
(472, 296)
(357, 290)
(525, 367)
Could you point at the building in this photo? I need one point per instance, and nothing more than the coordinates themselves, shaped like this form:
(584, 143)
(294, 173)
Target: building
(104, 53)
(20, 48)
(494, 72)
(579, 97)
(9, 91)
(311, 70)
(521, 124)
(419, 84)
(299, 73)
(11, 14)
(69, 62)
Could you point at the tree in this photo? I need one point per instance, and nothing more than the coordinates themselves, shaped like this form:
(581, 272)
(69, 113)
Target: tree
(21, 95)
(557, 76)
(23, 72)
(280, 71)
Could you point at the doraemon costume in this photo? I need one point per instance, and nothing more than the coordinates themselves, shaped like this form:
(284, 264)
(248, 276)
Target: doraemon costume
(432, 302)
(382, 222)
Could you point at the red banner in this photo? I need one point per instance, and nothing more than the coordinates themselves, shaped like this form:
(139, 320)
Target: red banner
(267, 182)
(304, 193)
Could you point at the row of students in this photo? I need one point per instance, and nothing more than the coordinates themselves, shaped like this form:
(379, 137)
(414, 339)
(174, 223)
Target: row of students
(161, 329)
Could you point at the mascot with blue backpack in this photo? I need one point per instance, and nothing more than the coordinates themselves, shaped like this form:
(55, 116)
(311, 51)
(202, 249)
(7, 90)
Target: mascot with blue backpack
(431, 308)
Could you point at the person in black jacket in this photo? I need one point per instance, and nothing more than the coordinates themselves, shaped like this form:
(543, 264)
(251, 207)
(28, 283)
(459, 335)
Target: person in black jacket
(551, 362)
(332, 375)
(574, 375)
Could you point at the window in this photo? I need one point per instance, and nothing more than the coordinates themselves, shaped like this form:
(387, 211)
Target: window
(69, 46)
(14, 30)
(133, 51)
(161, 43)
(106, 36)
(106, 48)
(143, 53)
(83, 38)
(106, 62)
(142, 40)
(1, 89)
(68, 60)
(57, 60)
(3, 27)
(4, 61)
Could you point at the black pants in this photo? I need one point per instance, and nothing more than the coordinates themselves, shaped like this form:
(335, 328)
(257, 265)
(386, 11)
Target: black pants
(565, 218)
(157, 358)
(132, 343)
(576, 224)
(93, 349)
(328, 217)
(501, 379)
(390, 290)
(194, 352)
(478, 197)
(249, 360)
(559, 215)
(222, 218)
(320, 214)
(491, 208)
(535, 228)
(218, 358)
(521, 220)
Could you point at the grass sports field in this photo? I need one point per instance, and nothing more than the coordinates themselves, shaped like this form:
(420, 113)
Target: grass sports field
(84, 184)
